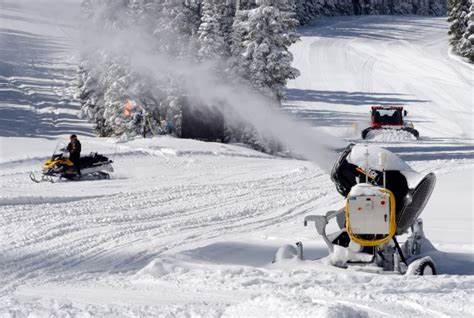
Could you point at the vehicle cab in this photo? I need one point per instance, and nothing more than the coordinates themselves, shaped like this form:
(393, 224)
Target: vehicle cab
(387, 116)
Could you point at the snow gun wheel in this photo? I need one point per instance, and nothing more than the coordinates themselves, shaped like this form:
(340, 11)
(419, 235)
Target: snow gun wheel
(422, 267)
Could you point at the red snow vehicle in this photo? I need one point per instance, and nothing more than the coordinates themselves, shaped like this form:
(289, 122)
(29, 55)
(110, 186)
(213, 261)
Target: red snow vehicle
(389, 117)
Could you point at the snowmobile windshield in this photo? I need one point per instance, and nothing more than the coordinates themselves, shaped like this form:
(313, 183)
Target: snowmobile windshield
(388, 116)
(60, 150)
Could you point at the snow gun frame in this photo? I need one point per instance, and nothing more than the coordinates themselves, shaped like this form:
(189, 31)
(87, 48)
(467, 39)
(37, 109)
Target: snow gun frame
(375, 213)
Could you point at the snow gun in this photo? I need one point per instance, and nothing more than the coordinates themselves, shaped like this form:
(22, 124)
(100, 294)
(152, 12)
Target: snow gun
(384, 198)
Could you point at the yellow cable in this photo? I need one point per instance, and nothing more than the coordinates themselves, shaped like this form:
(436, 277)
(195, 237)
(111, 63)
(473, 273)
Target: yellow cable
(392, 230)
(365, 173)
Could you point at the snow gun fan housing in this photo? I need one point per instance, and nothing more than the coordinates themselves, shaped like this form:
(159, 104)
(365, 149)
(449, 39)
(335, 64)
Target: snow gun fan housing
(389, 118)
(384, 198)
(363, 166)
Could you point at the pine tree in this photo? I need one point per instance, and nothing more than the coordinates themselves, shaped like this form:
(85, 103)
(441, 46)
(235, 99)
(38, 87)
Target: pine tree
(456, 24)
(210, 33)
(104, 74)
(247, 4)
(227, 12)
(302, 12)
(92, 81)
(91, 96)
(461, 19)
(468, 36)
(261, 39)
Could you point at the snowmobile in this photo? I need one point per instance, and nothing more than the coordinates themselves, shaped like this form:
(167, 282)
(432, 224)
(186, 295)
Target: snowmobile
(59, 166)
(384, 198)
(383, 117)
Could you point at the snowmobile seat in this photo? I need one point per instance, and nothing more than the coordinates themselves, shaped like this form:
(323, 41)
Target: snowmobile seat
(91, 159)
(385, 119)
(377, 117)
(86, 161)
(396, 118)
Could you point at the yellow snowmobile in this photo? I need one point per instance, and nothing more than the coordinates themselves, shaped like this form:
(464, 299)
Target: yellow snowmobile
(59, 166)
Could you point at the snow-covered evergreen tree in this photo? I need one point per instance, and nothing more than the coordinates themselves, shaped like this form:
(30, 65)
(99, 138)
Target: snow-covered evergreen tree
(227, 12)
(246, 4)
(109, 83)
(211, 34)
(309, 9)
(261, 39)
(467, 40)
(175, 32)
(93, 83)
(461, 19)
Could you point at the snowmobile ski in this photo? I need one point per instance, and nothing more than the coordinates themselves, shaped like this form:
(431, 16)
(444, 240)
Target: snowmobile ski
(44, 178)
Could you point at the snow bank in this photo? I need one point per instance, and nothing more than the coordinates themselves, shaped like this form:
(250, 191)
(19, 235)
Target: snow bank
(292, 306)
(162, 266)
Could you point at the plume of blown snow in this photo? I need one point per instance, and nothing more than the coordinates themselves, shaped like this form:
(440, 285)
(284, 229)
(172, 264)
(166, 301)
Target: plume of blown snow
(204, 84)
(206, 88)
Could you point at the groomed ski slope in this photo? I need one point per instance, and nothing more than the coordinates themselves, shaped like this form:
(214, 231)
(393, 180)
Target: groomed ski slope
(187, 228)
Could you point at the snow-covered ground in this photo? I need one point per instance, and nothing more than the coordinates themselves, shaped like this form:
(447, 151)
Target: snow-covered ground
(187, 228)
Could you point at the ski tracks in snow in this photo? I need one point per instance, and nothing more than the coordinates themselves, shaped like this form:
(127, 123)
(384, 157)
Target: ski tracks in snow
(123, 230)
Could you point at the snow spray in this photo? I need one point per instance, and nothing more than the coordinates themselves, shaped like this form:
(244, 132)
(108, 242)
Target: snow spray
(203, 85)
(264, 114)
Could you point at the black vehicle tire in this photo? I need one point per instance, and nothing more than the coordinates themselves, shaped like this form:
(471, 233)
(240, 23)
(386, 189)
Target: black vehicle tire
(365, 132)
(424, 267)
(412, 131)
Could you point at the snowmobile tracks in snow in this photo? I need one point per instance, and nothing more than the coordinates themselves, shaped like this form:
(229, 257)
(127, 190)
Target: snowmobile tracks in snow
(68, 234)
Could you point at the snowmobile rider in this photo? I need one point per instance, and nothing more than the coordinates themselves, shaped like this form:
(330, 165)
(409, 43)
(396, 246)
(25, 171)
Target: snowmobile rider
(74, 148)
